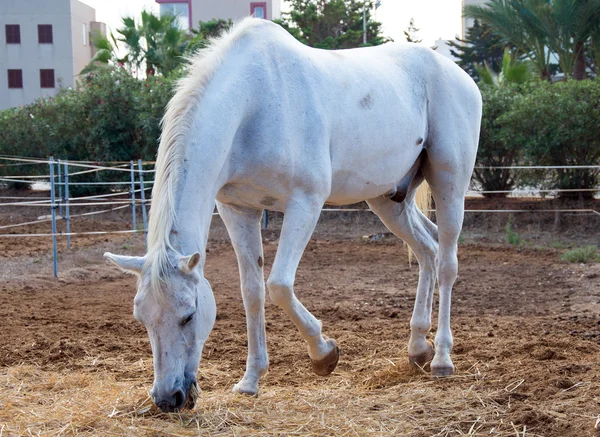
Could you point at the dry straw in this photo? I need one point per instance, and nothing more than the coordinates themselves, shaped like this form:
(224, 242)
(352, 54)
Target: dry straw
(393, 400)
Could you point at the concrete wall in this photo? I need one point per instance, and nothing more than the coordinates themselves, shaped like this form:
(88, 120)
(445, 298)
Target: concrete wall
(276, 9)
(96, 27)
(205, 10)
(81, 14)
(30, 56)
(67, 55)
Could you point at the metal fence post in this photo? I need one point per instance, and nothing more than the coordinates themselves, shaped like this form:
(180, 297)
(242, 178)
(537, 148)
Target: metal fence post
(53, 210)
(143, 200)
(60, 196)
(133, 209)
(67, 215)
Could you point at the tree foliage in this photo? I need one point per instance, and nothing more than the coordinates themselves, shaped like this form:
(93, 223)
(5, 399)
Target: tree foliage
(111, 116)
(156, 43)
(540, 28)
(513, 71)
(479, 47)
(495, 148)
(331, 24)
(206, 31)
(558, 124)
(539, 123)
(411, 32)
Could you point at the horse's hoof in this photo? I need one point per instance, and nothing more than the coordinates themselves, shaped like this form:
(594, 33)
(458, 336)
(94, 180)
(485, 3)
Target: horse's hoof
(245, 389)
(423, 358)
(442, 370)
(326, 365)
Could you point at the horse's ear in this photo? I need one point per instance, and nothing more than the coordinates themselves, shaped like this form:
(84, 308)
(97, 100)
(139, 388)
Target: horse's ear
(131, 264)
(188, 263)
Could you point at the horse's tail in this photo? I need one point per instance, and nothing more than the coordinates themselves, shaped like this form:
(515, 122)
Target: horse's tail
(423, 201)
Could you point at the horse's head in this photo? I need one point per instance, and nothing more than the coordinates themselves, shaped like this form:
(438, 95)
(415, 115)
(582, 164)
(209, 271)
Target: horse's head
(178, 319)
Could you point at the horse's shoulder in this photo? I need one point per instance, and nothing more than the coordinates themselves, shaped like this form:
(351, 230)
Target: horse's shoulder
(427, 60)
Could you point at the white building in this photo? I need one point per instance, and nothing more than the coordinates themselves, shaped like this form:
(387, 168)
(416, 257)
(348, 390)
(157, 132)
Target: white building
(44, 44)
(190, 12)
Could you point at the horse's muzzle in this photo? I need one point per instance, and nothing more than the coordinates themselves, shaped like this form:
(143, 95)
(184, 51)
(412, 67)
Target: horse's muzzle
(171, 403)
(179, 399)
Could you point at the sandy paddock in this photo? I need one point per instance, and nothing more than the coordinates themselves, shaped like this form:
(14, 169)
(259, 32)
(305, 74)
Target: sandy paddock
(73, 361)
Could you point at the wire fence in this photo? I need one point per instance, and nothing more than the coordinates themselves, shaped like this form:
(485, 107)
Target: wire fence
(60, 202)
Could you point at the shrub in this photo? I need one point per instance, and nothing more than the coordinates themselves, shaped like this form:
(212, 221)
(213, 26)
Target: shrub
(558, 124)
(111, 116)
(511, 236)
(495, 148)
(584, 254)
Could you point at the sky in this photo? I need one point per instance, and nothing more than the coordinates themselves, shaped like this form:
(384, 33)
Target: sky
(436, 19)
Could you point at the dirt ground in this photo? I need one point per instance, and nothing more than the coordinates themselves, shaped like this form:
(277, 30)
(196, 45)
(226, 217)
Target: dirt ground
(526, 328)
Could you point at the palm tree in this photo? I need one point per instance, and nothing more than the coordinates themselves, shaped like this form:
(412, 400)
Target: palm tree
(517, 23)
(569, 24)
(106, 52)
(513, 71)
(156, 44)
(594, 46)
(538, 28)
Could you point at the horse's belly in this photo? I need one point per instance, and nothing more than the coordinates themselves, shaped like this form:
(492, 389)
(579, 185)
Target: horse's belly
(366, 171)
(252, 195)
(352, 187)
(372, 151)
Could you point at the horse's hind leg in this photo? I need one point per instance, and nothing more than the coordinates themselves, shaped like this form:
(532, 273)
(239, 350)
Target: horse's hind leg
(408, 223)
(448, 173)
(301, 216)
(449, 201)
(243, 226)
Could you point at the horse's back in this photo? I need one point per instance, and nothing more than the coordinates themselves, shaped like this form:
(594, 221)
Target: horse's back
(356, 118)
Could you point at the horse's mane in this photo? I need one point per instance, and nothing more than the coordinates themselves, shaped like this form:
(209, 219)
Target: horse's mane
(176, 127)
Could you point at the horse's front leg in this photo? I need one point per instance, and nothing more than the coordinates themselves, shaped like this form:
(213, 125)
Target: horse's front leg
(243, 226)
(301, 216)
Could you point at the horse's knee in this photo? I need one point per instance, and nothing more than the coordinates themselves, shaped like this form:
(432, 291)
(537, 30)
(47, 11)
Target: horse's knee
(254, 298)
(447, 270)
(280, 290)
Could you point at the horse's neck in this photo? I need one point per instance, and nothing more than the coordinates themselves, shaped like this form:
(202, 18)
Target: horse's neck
(204, 170)
(194, 206)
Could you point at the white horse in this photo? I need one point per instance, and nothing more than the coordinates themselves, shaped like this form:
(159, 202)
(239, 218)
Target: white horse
(262, 121)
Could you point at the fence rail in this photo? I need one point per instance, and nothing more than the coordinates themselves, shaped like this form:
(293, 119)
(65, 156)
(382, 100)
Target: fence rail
(60, 203)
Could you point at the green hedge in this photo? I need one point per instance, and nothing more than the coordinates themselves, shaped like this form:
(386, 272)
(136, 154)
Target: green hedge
(558, 124)
(540, 123)
(111, 116)
(495, 148)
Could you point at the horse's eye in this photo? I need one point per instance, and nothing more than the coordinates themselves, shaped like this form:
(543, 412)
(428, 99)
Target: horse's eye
(187, 319)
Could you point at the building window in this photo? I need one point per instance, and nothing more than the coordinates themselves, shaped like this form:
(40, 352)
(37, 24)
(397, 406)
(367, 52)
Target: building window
(179, 10)
(47, 78)
(15, 78)
(258, 10)
(85, 35)
(13, 34)
(45, 34)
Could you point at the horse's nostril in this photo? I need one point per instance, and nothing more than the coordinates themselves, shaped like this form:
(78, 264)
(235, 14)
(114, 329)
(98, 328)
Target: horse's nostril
(179, 399)
(164, 406)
